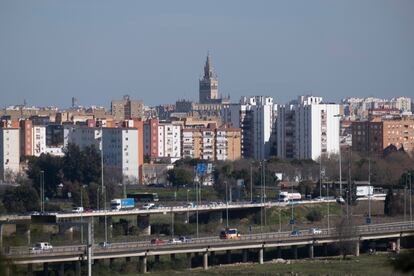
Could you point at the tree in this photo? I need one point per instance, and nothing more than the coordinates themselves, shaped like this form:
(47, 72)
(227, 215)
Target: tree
(21, 199)
(179, 176)
(404, 262)
(83, 166)
(52, 168)
(347, 233)
(314, 215)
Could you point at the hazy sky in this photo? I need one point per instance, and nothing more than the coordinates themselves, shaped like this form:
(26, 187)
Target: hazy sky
(155, 50)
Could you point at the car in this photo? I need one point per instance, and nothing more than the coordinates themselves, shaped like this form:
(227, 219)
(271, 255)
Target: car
(105, 244)
(319, 198)
(157, 241)
(175, 241)
(41, 246)
(77, 210)
(295, 233)
(185, 239)
(315, 231)
(147, 206)
(340, 200)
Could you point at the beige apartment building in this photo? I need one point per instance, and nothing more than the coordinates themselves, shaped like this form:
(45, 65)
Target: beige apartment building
(212, 143)
(127, 109)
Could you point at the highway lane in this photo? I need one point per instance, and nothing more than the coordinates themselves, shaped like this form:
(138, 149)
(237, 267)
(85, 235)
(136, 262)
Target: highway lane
(283, 237)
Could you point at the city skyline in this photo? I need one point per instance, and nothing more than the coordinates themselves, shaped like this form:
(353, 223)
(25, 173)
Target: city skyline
(96, 53)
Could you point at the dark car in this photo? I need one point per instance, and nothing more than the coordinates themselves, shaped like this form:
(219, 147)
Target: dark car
(157, 241)
(295, 233)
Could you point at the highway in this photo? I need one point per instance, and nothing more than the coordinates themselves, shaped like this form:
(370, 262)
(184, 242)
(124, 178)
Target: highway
(23, 255)
(165, 210)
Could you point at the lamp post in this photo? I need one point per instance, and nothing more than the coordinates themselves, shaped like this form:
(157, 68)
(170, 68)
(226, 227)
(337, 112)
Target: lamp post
(411, 205)
(251, 183)
(188, 212)
(81, 213)
(340, 157)
(227, 207)
(42, 191)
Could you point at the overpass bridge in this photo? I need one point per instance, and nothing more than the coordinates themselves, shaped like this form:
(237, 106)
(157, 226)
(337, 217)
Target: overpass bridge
(209, 245)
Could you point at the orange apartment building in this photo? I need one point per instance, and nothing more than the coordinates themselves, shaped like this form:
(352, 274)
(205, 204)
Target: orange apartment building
(376, 135)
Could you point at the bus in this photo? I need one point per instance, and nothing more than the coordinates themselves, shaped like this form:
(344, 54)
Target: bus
(144, 197)
(230, 234)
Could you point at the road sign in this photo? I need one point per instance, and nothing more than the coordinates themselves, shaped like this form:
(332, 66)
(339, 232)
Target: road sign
(368, 220)
(201, 168)
(292, 221)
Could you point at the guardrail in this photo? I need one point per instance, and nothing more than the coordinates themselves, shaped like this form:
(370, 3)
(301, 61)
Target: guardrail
(214, 241)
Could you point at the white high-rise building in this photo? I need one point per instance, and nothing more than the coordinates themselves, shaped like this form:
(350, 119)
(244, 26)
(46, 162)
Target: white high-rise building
(120, 151)
(255, 116)
(9, 151)
(169, 141)
(307, 129)
(39, 140)
(120, 147)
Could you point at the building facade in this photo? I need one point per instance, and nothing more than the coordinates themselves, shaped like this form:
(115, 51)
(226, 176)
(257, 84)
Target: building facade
(308, 128)
(9, 152)
(126, 109)
(376, 135)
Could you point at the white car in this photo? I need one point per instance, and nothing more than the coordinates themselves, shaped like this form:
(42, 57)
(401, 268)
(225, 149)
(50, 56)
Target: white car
(175, 241)
(147, 206)
(41, 246)
(315, 231)
(78, 210)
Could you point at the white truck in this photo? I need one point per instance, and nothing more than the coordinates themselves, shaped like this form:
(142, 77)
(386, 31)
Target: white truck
(286, 197)
(364, 191)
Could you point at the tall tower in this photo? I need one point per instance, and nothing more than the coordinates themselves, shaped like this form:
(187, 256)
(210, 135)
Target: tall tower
(208, 92)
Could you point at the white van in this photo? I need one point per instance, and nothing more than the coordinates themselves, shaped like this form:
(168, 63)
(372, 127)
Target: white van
(40, 246)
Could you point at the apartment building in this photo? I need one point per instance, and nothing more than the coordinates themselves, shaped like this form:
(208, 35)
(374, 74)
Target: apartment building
(126, 109)
(26, 138)
(39, 140)
(9, 152)
(307, 128)
(376, 135)
(256, 117)
(211, 143)
(121, 147)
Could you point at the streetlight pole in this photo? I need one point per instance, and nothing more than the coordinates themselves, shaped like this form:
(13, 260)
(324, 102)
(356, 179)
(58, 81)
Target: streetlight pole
(42, 191)
(411, 205)
(251, 183)
(369, 188)
(227, 207)
(188, 212)
(340, 156)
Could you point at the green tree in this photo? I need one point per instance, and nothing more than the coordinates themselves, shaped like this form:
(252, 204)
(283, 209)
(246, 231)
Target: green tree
(179, 176)
(21, 199)
(52, 168)
(314, 215)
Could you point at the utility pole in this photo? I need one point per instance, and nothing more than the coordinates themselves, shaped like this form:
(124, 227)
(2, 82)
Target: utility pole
(42, 191)
(251, 183)
(369, 189)
(227, 207)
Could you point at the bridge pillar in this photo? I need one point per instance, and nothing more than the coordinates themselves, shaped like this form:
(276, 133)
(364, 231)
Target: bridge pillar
(279, 252)
(311, 251)
(30, 269)
(228, 254)
(325, 249)
(143, 264)
(128, 259)
(61, 271)
(188, 255)
(205, 260)
(78, 271)
(172, 257)
(45, 269)
(245, 255)
(398, 245)
(111, 262)
(357, 248)
(295, 251)
(157, 259)
(261, 255)
(143, 223)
